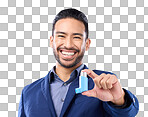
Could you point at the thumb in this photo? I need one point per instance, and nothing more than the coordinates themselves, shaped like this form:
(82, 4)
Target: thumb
(89, 93)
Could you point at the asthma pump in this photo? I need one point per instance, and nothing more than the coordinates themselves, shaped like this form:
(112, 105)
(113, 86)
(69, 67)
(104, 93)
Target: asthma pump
(83, 83)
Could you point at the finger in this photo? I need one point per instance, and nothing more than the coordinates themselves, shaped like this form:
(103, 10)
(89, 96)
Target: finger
(111, 81)
(90, 73)
(89, 93)
(103, 82)
(98, 79)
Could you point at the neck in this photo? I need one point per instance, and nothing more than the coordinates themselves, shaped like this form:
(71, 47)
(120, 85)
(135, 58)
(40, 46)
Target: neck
(64, 73)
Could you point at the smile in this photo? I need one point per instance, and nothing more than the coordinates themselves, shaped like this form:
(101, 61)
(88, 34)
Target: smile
(68, 53)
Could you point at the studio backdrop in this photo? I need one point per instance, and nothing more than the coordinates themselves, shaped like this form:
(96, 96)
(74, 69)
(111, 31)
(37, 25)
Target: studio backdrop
(118, 32)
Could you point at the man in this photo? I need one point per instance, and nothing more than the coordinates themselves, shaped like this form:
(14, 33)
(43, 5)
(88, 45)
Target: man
(54, 95)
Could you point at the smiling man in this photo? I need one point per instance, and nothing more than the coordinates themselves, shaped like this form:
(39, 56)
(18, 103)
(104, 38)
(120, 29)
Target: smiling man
(54, 95)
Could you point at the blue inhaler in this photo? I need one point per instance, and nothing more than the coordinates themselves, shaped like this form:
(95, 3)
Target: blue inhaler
(83, 83)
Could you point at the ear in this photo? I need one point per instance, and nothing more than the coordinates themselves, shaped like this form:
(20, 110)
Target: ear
(51, 41)
(88, 42)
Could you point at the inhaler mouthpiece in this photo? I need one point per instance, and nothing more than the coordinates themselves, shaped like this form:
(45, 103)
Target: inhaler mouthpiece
(84, 74)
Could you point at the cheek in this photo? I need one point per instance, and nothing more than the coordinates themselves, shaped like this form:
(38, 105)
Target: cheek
(80, 45)
(83, 45)
(56, 43)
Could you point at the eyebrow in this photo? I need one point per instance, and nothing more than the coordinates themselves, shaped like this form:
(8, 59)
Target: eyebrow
(60, 32)
(78, 34)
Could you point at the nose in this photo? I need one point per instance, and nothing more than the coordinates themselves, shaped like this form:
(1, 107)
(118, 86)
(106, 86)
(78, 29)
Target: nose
(68, 42)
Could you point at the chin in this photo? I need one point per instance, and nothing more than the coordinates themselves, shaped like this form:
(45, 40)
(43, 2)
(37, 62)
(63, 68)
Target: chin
(68, 64)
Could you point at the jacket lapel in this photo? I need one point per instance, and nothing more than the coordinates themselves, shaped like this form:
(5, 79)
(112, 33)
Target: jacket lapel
(70, 94)
(46, 92)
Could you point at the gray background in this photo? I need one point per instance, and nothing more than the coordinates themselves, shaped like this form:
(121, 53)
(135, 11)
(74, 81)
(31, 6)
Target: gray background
(119, 34)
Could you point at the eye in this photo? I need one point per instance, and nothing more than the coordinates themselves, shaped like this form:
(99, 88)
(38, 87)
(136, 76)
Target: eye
(77, 37)
(61, 36)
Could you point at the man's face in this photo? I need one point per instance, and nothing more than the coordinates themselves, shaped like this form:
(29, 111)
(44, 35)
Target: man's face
(69, 42)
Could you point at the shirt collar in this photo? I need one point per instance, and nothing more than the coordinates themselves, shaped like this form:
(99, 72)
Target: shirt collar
(53, 76)
(79, 69)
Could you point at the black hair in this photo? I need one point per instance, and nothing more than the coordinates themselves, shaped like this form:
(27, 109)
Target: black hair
(71, 13)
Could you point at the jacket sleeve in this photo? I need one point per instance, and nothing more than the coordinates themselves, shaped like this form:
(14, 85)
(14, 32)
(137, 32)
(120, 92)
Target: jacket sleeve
(21, 112)
(129, 111)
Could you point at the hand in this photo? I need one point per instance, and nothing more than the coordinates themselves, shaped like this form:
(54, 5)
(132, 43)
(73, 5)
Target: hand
(107, 88)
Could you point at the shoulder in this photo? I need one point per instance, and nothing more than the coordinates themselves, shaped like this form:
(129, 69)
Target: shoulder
(33, 86)
(37, 84)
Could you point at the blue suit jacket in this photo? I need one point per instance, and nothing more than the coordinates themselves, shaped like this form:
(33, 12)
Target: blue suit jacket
(36, 101)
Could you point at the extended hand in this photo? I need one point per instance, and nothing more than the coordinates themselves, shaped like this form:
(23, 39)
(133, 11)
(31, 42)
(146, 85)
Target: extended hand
(107, 88)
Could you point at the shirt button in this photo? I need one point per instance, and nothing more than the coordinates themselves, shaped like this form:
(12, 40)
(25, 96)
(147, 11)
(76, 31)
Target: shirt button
(65, 84)
(62, 100)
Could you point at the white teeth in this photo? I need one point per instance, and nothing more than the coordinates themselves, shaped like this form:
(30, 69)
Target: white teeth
(68, 53)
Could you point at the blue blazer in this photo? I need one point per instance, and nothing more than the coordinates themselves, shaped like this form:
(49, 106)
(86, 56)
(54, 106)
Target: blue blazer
(36, 101)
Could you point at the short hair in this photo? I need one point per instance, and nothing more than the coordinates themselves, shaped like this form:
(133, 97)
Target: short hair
(71, 13)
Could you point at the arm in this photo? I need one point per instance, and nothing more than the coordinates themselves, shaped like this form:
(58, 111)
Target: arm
(130, 109)
(21, 112)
